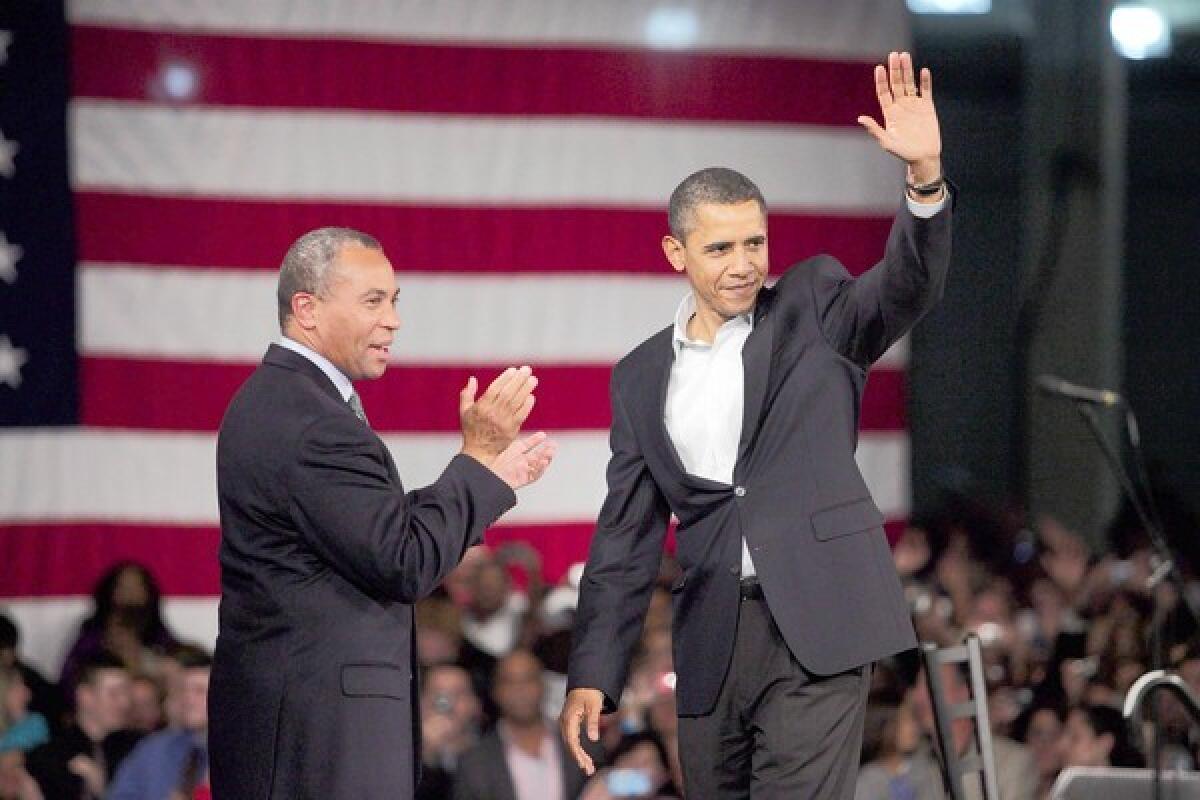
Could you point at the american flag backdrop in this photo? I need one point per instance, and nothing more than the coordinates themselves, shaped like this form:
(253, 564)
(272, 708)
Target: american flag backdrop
(157, 157)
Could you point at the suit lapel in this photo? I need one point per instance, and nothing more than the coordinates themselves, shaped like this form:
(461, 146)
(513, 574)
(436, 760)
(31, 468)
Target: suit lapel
(756, 369)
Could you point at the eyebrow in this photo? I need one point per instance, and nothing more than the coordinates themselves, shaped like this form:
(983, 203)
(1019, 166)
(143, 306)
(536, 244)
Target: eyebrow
(725, 245)
(372, 294)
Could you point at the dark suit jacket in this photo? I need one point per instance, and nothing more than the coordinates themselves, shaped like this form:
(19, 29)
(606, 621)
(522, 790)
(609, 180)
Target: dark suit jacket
(798, 498)
(483, 772)
(322, 554)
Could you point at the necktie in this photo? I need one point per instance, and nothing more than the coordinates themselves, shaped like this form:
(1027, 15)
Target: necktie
(357, 407)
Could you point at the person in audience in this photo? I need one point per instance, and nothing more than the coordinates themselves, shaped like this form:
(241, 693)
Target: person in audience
(451, 714)
(522, 758)
(173, 763)
(146, 698)
(80, 760)
(1015, 773)
(1097, 736)
(15, 781)
(1040, 728)
(20, 728)
(45, 696)
(890, 737)
(126, 621)
(639, 771)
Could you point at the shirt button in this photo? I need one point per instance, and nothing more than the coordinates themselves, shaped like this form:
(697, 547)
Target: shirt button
(740, 491)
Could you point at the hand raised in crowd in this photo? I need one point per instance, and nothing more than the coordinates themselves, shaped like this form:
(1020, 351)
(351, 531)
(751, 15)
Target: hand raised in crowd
(491, 422)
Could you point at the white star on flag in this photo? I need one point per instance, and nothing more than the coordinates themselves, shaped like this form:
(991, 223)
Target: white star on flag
(11, 361)
(6, 38)
(8, 154)
(10, 254)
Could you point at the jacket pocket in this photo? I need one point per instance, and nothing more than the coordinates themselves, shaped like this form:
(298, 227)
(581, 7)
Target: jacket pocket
(375, 680)
(855, 516)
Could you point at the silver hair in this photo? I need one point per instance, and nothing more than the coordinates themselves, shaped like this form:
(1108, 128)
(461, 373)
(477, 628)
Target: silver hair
(306, 266)
(718, 185)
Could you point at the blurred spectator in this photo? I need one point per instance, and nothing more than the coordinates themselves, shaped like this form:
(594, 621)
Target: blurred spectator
(172, 764)
(146, 697)
(1015, 773)
(79, 761)
(20, 728)
(439, 631)
(639, 771)
(890, 737)
(523, 758)
(450, 720)
(1040, 728)
(15, 782)
(46, 699)
(126, 621)
(1097, 736)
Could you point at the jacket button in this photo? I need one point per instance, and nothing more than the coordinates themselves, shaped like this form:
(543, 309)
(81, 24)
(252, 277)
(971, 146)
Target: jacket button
(740, 491)
(736, 569)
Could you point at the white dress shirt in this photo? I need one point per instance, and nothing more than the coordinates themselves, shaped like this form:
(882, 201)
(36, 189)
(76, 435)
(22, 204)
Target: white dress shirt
(339, 380)
(706, 392)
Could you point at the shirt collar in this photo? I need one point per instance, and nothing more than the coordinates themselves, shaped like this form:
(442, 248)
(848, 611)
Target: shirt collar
(683, 314)
(333, 373)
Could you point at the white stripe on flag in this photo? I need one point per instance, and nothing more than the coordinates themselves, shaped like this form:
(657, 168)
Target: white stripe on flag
(834, 28)
(228, 315)
(60, 474)
(465, 160)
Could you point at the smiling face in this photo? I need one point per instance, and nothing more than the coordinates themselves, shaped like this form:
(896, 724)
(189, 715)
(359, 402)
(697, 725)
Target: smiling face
(724, 255)
(353, 319)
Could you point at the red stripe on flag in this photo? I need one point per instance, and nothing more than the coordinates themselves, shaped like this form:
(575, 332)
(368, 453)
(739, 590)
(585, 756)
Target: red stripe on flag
(49, 559)
(192, 396)
(339, 74)
(200, 232)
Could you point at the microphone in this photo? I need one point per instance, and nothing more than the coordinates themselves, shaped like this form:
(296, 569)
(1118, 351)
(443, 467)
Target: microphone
(1052, 384)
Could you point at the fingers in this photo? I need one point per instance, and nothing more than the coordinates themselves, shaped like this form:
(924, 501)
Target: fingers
(927, 84)
(572, 716)
(895, 75)
(593, 721)
(882, 90)
(466, 398)
(907, 74)
(531, 442)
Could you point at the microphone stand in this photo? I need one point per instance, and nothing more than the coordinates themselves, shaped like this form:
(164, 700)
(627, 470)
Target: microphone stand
(1167, 569)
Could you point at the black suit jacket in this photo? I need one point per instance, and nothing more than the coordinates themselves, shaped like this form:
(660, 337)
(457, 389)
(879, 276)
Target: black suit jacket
(798, 497)
(322, 554)
(483, 772)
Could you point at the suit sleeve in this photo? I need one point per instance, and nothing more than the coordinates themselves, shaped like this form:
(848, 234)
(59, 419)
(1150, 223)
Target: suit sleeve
(861, 318)
(622, 566)
(355, 517)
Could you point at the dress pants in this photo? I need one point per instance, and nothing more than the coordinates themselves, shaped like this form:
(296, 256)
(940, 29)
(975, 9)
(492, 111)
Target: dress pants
(777, 730)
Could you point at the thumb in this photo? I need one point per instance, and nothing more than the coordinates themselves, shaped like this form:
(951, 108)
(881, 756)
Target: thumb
(466, 397)
(872, 128)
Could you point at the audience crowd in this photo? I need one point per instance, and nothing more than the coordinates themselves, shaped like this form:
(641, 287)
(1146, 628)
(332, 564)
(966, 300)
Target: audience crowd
(1065, 631)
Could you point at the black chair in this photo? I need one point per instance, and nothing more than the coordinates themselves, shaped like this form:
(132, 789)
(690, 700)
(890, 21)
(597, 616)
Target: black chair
(982, 759)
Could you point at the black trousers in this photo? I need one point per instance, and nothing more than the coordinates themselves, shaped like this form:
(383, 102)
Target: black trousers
(777, 730)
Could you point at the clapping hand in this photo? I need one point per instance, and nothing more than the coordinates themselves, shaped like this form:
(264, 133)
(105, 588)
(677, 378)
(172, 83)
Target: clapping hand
(491, 424)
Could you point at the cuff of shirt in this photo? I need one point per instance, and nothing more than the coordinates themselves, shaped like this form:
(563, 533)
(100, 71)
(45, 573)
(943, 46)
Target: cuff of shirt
(927, 210)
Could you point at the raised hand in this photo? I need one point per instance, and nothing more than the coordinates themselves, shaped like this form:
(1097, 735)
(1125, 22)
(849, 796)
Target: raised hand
(525, 460)
(491, 423)
(910, 124)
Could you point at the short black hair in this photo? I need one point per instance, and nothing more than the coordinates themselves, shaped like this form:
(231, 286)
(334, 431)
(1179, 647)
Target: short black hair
(9, 636)
(191, 656)
(96, 663)
(719, 185)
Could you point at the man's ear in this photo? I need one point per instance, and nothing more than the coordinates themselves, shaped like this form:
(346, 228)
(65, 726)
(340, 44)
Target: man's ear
(675, 252)
(305, 310)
